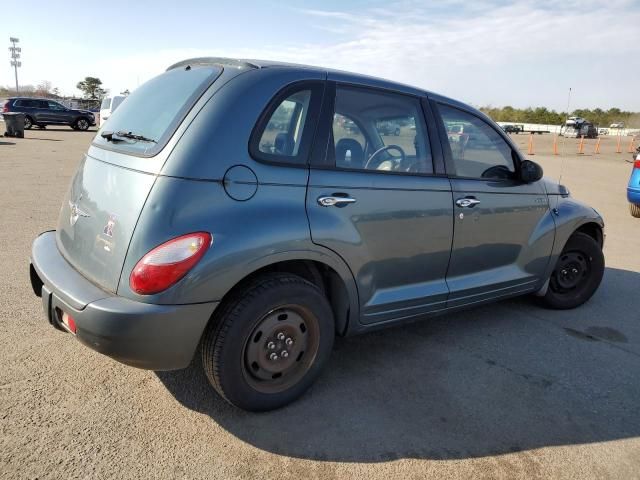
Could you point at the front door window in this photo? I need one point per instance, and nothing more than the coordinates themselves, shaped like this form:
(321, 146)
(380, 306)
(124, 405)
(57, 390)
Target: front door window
(379, 131)
(478, 151)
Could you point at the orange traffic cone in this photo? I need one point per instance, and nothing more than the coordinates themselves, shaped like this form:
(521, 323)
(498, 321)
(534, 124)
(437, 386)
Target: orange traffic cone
(581, 146)
(632, 146)
(555, 145)
(530, 150)
(618, 149)
(597, 149)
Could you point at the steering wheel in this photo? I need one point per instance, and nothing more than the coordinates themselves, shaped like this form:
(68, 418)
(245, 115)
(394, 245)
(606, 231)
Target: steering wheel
(384, 149)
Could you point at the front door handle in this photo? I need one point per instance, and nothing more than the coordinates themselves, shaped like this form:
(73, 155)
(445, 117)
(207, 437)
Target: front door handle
(468, 202)
(334, 201)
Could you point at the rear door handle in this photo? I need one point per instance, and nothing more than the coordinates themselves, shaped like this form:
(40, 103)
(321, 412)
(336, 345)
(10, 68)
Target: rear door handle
(335, 201)
(468, 202)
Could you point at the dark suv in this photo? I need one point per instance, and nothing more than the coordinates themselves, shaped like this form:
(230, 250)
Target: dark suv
(42, 112)
(252, 211)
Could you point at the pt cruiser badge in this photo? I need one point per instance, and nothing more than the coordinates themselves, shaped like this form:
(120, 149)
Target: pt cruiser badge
(76, 212)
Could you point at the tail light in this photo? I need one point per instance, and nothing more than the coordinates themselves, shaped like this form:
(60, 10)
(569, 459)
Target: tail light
(636, 164)
(5, 108)
(167, 263)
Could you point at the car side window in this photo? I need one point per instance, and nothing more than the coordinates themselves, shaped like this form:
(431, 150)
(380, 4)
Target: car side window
(478, 151)
(379, 131)
(41, 104)
(55, 106)
(282, 135)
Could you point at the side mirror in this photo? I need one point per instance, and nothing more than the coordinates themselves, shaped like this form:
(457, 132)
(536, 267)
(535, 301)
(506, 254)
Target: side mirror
(530, 171)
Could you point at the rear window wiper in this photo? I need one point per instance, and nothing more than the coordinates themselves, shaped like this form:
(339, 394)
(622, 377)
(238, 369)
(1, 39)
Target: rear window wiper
(118, 136)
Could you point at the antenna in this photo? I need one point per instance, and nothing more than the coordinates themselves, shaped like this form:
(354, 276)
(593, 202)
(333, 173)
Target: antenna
(563, 137)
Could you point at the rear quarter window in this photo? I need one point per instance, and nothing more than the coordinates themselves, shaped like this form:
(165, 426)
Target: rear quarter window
(155, 109)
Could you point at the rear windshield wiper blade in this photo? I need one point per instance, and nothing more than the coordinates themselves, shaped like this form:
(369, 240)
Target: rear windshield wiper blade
(118, 136)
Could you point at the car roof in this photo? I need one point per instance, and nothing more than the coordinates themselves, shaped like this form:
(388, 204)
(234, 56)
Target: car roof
(332, 74)
(33, 98)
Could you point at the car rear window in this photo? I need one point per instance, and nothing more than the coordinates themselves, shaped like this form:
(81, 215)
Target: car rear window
(155, 109)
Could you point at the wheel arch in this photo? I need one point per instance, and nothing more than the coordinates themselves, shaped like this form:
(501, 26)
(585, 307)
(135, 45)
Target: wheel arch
(573, 216)
(593, 229)
(329, 274)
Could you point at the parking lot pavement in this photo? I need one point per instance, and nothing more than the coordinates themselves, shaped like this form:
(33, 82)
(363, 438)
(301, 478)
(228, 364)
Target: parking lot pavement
(508, 390)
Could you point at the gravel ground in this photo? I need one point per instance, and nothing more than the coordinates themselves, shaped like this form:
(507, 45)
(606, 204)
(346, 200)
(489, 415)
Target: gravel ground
(508, 390)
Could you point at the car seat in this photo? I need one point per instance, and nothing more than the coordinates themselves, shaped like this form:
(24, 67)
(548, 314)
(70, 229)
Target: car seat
(353, 160)
(284, 144)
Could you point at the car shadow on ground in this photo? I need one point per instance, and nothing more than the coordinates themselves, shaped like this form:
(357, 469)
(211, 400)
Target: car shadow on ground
(42, 139)
(502, 378)
(63, 128)
(6, 143)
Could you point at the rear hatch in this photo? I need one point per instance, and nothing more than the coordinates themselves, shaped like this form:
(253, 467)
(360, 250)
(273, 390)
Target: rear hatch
(109, 190)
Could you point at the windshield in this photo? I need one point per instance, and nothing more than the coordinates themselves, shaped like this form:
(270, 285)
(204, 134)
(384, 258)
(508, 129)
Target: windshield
(155, 109)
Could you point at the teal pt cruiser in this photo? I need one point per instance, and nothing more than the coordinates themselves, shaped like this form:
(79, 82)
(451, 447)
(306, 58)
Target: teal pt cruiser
(251, 211)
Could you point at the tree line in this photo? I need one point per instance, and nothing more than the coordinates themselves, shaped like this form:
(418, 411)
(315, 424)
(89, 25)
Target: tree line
(597, 116)
(91, 88)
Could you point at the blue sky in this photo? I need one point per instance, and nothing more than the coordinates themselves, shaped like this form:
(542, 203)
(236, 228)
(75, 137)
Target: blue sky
(520, 53)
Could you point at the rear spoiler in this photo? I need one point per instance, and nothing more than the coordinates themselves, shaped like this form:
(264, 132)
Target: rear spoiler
(219, 61)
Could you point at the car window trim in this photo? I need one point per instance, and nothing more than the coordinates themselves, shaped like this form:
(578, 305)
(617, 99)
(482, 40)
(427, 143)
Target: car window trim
(301, 159)
(446, 147)
(439, 166)
(323, 162)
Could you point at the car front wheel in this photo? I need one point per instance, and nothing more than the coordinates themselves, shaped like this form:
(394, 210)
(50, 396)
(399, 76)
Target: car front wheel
(577, 274)
(82, 124)
(268, 343)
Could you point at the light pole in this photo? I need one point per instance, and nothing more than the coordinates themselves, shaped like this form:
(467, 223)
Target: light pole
(15, 58)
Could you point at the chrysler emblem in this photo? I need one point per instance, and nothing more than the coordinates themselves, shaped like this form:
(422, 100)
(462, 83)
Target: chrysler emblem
(75, 212)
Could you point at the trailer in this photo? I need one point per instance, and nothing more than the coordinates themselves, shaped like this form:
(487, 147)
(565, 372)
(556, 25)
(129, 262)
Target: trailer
(538, 130)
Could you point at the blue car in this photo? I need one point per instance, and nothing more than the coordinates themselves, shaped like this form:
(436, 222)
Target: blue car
(633, 189)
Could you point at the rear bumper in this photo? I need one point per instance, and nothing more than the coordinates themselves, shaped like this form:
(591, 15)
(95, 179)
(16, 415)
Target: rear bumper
(143, 335)
(633, 195)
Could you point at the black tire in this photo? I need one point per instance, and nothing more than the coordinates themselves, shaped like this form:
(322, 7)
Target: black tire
(634, 210)
(239, 329)
(82, 124)
(577, 274)
(28, 122)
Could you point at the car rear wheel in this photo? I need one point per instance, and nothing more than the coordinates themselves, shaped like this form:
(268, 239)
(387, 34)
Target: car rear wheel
(82, 124)
(268, 343)
(635, 210)
(577, 274)
(28, 123)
